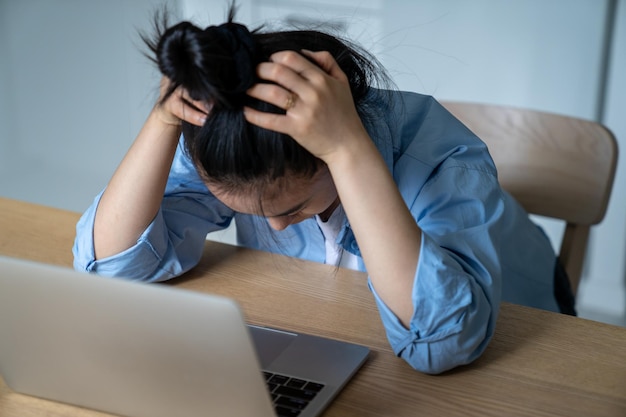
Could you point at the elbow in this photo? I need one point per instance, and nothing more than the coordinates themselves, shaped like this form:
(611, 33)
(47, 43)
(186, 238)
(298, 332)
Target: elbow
(447, 349)
(140, 263)
(438, 357)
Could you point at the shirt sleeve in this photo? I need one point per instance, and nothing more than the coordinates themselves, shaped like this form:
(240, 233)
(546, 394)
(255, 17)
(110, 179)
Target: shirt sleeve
(172, 243)
(456, 290)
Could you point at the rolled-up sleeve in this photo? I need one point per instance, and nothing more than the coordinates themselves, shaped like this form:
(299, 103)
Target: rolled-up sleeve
(174, 240)
(453, 318)
(457, 284)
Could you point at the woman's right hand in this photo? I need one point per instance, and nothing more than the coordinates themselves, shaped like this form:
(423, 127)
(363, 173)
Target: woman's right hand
(179, 106)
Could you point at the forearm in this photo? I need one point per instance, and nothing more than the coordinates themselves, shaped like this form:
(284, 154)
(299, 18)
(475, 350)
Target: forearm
(134, 193)
(387, 234)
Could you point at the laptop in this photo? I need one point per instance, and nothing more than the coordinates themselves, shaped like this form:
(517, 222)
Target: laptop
(139, 350)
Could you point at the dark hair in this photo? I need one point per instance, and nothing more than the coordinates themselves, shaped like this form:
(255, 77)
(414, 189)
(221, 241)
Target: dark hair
(217, 65)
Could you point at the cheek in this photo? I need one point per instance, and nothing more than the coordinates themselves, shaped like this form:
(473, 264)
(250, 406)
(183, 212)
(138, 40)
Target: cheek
(328, 198)
(313, 208)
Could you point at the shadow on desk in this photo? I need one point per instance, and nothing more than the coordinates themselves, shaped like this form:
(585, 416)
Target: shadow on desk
(522, 334)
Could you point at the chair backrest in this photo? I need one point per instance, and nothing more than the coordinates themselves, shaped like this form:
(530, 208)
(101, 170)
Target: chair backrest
(555, 166)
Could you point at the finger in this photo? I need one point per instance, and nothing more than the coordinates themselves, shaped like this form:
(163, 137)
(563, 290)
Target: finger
(185, 108)
(283, 76)
(199, 105)
(192, 115)
(269, 121)
(299, 64)
(326, 62)
(293, 60)
(289, 69)
(273, 94)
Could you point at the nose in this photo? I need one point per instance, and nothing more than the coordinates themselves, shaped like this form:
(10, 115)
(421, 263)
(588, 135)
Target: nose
(279, 223)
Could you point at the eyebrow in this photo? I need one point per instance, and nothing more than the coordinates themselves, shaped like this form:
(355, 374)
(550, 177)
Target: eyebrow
(293, 209)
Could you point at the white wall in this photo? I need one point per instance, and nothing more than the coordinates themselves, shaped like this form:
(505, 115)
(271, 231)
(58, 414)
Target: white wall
(603, 292)
(5, 98)
(75, 92)
(74, 87)
(537, 53)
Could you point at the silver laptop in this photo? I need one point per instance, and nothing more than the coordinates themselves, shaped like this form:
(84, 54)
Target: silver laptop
(142, 350)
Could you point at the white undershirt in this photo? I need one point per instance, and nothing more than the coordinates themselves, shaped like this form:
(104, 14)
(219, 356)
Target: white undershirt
(335, 255)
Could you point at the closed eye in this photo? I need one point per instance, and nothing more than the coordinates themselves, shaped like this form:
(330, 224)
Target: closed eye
(293, 211)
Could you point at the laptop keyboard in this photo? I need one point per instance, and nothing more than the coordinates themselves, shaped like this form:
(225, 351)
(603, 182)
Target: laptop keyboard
(290, 395)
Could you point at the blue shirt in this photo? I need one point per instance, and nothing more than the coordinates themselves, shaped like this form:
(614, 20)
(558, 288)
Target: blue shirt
(478, 245)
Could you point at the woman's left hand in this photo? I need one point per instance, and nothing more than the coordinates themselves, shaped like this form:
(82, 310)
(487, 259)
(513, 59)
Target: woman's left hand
(320, 111)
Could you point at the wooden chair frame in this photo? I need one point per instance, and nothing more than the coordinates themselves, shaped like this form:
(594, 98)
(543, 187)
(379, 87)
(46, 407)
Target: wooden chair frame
(555, 166)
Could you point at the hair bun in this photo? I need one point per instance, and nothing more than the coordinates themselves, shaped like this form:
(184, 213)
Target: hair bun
(217, 63)
(241, 43)
(177, 52)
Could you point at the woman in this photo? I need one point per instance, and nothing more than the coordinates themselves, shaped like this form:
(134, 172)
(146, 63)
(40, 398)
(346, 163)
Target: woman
(286, 130)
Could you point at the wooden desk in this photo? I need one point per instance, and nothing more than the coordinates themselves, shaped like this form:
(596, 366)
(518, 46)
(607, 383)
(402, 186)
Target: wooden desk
(538, 364)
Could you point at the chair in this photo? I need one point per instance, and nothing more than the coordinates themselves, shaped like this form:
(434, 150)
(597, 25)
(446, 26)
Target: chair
(555, 166)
